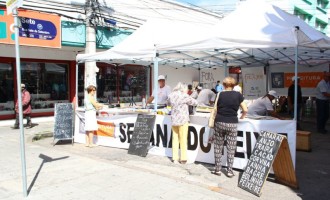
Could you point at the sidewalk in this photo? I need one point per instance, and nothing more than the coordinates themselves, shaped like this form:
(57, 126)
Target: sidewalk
(76, 172)
(73, 172)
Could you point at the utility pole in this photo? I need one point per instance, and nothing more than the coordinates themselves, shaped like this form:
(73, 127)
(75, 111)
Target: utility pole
(90, 67)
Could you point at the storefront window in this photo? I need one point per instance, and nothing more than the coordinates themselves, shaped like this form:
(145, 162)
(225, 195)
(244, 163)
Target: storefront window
(47, 83)
(6, 89)
(123, 84)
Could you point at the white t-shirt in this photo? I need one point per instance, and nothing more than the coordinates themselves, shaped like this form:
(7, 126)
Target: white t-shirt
(260, 106)
(237, 88)
(194, 94)
(322, 86)
(162, 94)
(205, 96)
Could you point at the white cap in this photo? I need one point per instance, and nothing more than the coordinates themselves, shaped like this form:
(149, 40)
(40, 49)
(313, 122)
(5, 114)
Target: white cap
(273, 93)
(161, 77)
(294, 77)
(22, 85)
(199, 88)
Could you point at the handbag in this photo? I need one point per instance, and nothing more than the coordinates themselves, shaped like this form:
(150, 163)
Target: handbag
(213, 113)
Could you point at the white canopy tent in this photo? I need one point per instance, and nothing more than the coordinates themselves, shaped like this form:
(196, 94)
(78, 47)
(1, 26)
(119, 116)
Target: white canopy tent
(247, 29)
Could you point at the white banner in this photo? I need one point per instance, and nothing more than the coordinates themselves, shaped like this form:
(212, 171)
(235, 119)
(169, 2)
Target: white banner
(198, 148)
(254, 82)
(12, 4)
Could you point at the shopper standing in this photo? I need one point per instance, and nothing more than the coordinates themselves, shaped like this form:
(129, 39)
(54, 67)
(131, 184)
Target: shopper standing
(218, 87)
(179, 100)
(26, 103)
(91, 105)
(225, 125)
(322, 103)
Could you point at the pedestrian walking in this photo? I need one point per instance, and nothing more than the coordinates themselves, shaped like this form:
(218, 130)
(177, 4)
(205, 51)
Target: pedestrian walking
(26, 103)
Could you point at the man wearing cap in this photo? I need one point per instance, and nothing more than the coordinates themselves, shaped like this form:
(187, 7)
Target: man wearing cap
(322, 103)
(291, 100)
(163, 91)
(263, 106)
(26, 103)
(198, 89)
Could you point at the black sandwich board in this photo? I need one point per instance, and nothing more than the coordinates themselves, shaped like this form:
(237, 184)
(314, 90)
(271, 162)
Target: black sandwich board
(63, 127)
(260, 162)
(141, 135)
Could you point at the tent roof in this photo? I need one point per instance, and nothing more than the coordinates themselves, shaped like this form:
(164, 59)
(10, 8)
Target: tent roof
(265, 36)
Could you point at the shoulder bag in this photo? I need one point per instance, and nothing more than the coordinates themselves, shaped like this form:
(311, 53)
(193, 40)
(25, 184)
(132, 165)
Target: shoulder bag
(213, 113)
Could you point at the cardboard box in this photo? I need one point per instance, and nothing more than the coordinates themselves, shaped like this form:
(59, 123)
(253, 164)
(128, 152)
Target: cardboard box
(303, 141)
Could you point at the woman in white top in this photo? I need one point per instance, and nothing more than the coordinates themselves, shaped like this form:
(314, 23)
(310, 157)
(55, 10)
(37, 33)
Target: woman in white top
(263, 106)
(91, 105)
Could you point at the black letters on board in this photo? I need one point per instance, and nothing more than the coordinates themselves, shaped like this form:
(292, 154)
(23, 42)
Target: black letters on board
(141, 136)
(260, 162)
(63, 127)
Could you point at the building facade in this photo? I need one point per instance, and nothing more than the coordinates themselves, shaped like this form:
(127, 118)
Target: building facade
(313, 12)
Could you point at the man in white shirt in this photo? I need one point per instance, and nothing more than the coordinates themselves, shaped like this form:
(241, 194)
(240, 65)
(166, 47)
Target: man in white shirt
(322, 103)
(196, 92)
(163, 91)
(263, 106)
(206, 97)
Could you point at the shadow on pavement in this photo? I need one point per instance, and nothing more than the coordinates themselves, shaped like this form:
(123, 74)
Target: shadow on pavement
(45, 159)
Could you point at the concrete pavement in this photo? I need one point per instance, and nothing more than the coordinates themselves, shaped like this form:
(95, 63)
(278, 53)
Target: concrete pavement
(71, 172)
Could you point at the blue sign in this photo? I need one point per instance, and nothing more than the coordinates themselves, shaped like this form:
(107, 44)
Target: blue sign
(37, 29)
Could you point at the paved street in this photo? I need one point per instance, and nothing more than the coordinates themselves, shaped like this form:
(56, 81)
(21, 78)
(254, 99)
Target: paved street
(64, 171)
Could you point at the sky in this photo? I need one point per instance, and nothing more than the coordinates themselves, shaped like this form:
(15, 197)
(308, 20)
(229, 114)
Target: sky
(214, 5)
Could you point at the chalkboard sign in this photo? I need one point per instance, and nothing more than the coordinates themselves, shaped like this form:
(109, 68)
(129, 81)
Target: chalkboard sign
(141, 135)
(260, 162)
(63, 128)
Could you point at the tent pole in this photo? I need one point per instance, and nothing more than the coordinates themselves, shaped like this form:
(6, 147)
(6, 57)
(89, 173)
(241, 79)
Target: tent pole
(267, 77)
(295, 83)
(296, 76)
(226, 68)
(155, 83)
(148, 82)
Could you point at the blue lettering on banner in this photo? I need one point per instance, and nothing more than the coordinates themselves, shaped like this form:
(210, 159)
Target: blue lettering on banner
(37, 29)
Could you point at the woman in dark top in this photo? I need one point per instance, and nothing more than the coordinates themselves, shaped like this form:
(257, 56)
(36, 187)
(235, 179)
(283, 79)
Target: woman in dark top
(225, 125)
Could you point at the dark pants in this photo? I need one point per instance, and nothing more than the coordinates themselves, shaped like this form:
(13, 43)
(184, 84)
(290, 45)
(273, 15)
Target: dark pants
(322, 113)
(26, 116)
(298, 115)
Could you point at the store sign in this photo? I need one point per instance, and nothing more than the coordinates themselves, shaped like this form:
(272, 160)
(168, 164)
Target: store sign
(254, 82)
(12, 4)
(38, 29)
(307, 79)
